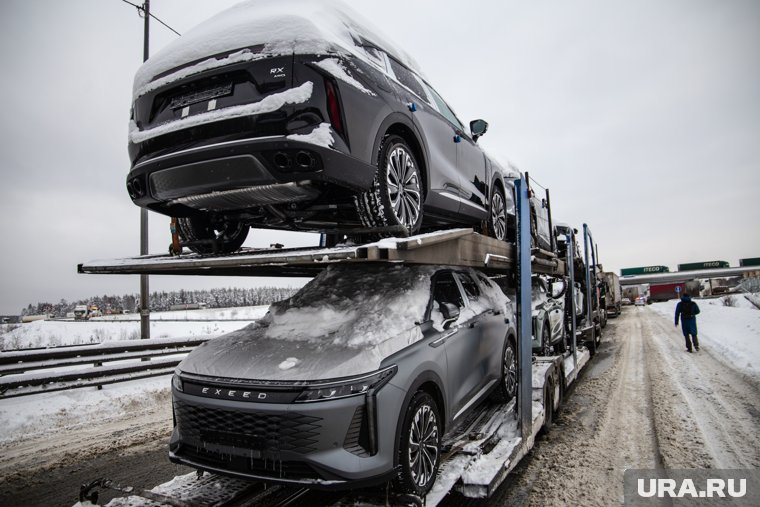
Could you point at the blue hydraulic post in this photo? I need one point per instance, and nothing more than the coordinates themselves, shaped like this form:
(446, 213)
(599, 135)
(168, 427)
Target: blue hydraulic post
(589, 309)
(571, 273)
(524, 328)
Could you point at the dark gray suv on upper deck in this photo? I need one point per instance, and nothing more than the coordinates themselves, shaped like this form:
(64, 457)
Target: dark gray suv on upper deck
(292, 115)
(354, 380)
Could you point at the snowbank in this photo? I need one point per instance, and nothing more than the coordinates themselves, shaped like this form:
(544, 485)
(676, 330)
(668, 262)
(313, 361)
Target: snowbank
(48, 333)
(28, 416)
(733, 333)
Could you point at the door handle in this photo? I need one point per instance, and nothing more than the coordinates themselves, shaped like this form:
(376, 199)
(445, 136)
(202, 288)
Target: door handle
(440, 341)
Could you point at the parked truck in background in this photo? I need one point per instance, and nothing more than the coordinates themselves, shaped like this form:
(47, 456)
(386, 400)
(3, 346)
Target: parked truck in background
(614, 293)
(631, 293)
(81, 312)
(668, 291)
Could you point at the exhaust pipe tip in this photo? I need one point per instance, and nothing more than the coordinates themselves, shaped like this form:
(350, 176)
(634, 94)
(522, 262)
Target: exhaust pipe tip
(281, 160)
(304, 160)
(137, 187)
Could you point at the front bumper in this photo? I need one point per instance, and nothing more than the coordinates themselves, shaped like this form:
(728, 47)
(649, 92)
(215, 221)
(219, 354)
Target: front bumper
(321, 444)
(242, 174)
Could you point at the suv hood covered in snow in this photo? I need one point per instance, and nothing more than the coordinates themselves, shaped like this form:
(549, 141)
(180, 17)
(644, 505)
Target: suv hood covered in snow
(344, 322)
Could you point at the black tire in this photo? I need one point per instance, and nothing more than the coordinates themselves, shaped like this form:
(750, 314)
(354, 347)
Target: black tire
(548, 406)
(497, 215)
(396, 195)
(546, 346)
(508, 385)
(592, 344)
(419, 463)
(229, 235)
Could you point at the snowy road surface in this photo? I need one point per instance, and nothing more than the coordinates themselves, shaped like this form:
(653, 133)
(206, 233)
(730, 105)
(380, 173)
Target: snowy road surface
(643, 402)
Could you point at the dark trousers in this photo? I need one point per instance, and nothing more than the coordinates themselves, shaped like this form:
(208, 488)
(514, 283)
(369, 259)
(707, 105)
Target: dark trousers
(689, 342)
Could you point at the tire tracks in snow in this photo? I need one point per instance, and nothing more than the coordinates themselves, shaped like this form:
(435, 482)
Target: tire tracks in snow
(717, 406)
(606, 427)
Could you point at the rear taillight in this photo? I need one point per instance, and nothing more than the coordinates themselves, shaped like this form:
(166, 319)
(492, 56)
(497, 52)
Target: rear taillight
(333, 107)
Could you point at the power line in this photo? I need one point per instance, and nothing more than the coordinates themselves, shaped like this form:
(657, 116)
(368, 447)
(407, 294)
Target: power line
(141, 11)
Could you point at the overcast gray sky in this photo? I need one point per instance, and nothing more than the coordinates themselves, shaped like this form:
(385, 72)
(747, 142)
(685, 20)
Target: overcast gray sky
(642, 117)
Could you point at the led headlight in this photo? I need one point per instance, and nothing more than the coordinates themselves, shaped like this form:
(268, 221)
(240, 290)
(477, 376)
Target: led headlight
(344, 388)
(177, 382)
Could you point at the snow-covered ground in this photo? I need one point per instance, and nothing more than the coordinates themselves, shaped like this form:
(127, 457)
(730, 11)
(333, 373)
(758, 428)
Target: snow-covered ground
(733, 333)
(186, 323)
(26, 417)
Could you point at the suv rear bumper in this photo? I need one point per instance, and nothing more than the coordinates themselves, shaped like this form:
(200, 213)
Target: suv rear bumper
(244, 173)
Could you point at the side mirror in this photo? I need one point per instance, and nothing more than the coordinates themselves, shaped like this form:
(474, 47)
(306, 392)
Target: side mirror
(450, 314)
(478, 128)
(557, 288)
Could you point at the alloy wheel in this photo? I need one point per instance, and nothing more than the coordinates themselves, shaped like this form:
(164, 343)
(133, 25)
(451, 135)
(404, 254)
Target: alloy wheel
(403, 183)
(509, 371)
(423, 446)
(498, 216)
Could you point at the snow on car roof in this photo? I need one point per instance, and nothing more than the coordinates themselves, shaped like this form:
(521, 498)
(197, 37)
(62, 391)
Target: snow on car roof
(281, 26)
(353, 306)
(342, 323)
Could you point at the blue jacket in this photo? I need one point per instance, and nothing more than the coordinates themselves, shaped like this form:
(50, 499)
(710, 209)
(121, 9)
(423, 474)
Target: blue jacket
(687, 310)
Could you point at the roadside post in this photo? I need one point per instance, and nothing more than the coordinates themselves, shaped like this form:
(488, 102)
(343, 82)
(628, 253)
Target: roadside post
(144, 283)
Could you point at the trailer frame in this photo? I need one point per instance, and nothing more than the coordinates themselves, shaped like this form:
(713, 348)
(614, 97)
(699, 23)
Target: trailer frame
(480, 455)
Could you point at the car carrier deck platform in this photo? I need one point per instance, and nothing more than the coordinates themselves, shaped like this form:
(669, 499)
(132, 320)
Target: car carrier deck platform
(460, 247)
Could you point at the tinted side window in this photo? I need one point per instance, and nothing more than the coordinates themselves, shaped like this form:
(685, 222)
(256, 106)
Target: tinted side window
(469, 285)
(375, 56)
(407, 78)
(445, 290)
(445, 110)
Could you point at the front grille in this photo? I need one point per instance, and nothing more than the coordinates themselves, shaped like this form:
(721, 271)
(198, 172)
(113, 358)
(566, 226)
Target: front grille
(264, 434)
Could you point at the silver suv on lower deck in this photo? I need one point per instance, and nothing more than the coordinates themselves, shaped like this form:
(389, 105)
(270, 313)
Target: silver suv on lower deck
(355, 379)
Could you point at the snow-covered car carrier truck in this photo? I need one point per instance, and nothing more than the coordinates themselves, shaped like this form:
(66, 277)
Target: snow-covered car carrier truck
(393, 410)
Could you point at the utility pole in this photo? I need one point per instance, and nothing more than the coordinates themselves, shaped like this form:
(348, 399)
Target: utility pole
(144, 287)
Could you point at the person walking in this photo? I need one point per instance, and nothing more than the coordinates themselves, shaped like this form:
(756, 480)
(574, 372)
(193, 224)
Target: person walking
(688, 310)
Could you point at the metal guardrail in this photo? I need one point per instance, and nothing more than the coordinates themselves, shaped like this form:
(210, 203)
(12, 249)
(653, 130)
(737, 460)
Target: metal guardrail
(22, 372)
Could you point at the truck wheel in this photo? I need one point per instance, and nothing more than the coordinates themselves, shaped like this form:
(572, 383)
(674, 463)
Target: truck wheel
(229, 235)
(548, 406)
(508, 387)
(420, 446)
(497, 215)
(396, 194)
